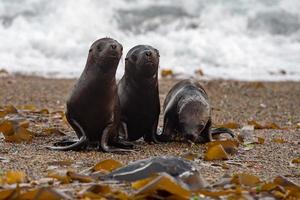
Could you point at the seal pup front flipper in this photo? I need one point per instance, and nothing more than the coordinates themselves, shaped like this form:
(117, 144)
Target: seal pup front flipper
(77, 145)
(106, 138)
(168, 129)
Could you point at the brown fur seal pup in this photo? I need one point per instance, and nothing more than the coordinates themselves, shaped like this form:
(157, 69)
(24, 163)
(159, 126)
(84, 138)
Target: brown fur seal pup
(138, 93)
(187, 112)
(92, 108)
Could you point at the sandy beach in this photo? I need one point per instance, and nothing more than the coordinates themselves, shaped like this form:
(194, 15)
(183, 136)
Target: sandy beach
(232, 101)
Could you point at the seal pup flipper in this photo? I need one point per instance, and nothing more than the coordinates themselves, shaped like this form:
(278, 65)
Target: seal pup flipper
(65, 142)
(123, 140)
(106, 136)
(151, 138)
(73, 147)
(221, 130)
(124, 130)
(77, 145)
(167, 132)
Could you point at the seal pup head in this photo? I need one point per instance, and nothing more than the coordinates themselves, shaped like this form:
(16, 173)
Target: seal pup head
(193, 115)
(105, 53)
(142, 60)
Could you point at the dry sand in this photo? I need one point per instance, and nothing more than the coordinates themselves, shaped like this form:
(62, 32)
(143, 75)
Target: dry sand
(232, 101)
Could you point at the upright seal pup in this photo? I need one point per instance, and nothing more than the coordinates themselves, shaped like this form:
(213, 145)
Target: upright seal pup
(92, 108)
(187, 111)
(138, 93)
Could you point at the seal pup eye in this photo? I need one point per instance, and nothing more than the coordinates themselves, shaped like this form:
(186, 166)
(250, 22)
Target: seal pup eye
(134, 57)
(99, 48)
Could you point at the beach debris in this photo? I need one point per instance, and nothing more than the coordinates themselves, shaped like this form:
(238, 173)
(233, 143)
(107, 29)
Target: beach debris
(190, 156)
(166, 72)
(44, 193)
(269, 125)
(4, 159)
(174, 166)
(59, 175)
(278, 140)
(166, 177)
(5, 110)
(15, 122)
(60, 163)
(15, 130)
(12, 177)
(245, 179)
(174, 175)
(151, 187)
(216, 152)
(28, 108)
(246, 135)
(199, 72)
(230, 146)
(102, 191)
(230, 125)
(107, 166)
(260, 140)
(3, 73)
(296, 161)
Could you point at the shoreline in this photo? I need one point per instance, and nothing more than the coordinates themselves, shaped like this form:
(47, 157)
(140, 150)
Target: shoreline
(233, 101)
(4, 73)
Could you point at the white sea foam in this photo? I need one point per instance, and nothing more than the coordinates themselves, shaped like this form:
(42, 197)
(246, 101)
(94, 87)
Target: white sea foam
(245, 40)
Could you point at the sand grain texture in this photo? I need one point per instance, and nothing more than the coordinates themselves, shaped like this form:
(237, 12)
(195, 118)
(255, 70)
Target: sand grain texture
(232, 102)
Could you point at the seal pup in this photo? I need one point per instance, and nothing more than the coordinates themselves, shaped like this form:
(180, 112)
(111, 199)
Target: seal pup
(138, 93)
(92, 108)
(187, 112)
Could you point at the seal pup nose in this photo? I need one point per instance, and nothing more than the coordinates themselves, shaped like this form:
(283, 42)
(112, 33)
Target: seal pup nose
(113, 46)
(148, 53)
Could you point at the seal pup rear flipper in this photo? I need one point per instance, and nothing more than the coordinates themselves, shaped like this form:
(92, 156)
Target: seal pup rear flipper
(106, 136)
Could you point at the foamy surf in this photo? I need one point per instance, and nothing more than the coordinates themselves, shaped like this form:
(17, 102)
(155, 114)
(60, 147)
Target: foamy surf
(242, 40)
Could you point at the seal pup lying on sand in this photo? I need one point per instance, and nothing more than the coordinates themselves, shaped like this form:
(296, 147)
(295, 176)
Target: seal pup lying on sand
(138, 93)
(92, 108)
(187, 112)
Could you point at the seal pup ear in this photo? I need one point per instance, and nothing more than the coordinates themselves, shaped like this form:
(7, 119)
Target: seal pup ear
(157, 52)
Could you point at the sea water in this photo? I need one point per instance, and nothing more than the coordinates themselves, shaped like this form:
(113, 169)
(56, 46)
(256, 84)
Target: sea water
(232, 39)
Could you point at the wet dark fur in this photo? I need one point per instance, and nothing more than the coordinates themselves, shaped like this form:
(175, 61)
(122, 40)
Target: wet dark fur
(138, 93)
(173, 105)
(92, 108)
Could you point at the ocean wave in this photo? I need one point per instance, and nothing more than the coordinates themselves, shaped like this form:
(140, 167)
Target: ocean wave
(244, 40)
